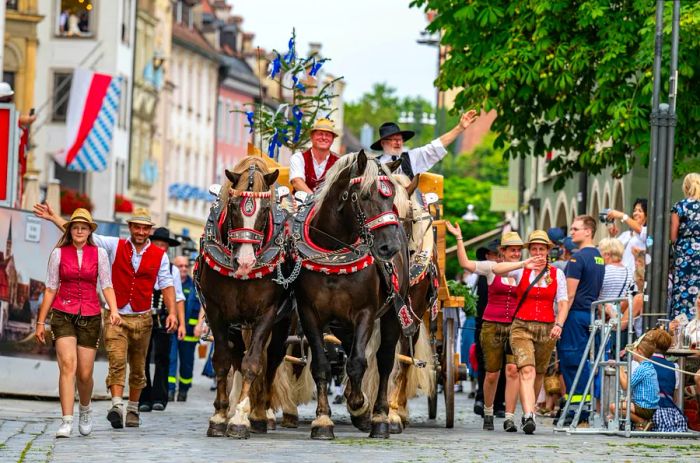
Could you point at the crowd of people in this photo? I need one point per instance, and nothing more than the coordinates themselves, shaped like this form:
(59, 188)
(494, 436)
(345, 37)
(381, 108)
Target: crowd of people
(569, 273)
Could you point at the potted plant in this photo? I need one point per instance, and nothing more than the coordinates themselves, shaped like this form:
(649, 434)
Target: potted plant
(72, 199)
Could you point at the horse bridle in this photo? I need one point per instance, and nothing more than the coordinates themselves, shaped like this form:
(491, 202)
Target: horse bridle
(247, 235)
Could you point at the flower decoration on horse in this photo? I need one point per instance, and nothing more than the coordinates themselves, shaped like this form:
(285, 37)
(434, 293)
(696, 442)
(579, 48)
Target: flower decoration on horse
(305, 95)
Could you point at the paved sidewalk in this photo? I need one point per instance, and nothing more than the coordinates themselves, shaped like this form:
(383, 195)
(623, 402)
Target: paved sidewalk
(27, 430)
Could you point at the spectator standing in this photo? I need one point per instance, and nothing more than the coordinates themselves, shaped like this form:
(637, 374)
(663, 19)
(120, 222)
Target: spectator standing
(183, 350)
(635, 239)
(584, 280)
(685, 235)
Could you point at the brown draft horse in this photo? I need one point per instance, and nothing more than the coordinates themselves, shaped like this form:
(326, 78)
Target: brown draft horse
(353, 200)
(236, 296)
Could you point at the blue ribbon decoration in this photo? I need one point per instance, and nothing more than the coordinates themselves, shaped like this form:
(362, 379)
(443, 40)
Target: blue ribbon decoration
(298, 84)
(276, 66)
(315, 67)
(251, 120)
(273, 144)
(289, 57)
(298, 115)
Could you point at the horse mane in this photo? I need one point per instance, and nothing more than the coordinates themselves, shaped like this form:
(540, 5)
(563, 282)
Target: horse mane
(401, 199)
(369, 176)
(241, 168)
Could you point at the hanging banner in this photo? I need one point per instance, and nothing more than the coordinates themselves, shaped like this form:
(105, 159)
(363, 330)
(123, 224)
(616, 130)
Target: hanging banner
(8, 155)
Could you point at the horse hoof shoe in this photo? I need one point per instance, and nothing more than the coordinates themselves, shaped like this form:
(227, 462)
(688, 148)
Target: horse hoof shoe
(322, 433)
(216, 430)
(290, 421)
(271, 425)
(362, 422)
(258, 426)
(238, 432)
(395, 428)
(380, 430)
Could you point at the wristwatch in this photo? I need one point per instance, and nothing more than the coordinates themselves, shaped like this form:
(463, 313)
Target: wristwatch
(625, 217)
(559, 325)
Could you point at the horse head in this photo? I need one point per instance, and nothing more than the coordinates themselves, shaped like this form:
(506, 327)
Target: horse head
(365, 193)
(249, 202)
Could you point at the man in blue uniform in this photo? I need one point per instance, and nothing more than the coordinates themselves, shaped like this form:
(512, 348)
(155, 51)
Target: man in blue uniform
(184, 348)
(584, 278)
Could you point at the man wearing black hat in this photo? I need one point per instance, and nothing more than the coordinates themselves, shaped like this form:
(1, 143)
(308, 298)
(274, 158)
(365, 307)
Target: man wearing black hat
(155, 395)
(417, 160)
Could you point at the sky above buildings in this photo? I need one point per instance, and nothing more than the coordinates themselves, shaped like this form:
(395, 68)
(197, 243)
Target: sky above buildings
(368, 41)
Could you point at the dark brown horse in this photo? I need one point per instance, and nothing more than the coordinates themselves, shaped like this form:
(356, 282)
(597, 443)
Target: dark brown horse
(239, 251)
(354, 213)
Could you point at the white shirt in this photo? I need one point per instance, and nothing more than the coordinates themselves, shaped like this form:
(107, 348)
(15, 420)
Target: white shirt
(423, 158)
(104, 269)
(632, 240)
(177, 283)
(296, 166)
(110, 243)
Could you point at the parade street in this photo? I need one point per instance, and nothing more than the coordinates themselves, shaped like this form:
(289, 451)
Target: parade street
(27, 435)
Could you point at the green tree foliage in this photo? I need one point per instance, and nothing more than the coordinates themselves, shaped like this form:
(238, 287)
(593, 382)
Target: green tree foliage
(569, 75)
(381, 105)
(484, 163)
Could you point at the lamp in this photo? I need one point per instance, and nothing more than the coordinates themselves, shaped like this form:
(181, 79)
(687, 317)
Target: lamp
(470, 216)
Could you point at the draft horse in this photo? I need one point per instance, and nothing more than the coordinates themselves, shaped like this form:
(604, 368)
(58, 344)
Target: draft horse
(354, 270)
(239, 250)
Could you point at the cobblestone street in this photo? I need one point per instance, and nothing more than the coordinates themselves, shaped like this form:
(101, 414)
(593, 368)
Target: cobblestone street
(27, 430)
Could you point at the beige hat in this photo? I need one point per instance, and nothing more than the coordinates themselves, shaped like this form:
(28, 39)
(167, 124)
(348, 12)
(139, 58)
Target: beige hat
(142, 216)
(539, 237)
(511, 239)
(325, 125)
(81, 215)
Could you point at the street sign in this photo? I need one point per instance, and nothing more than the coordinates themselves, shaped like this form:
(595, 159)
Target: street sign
(504, 199)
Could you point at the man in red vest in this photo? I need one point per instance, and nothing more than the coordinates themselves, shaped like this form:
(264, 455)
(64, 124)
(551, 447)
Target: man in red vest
(137, 266)
(307, 169)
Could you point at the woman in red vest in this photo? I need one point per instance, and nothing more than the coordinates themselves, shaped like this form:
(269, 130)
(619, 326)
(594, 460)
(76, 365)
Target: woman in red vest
(536, 325)
(75, 267)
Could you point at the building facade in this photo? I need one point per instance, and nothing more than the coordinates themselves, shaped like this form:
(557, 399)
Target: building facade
(189, 162)
(92, 34)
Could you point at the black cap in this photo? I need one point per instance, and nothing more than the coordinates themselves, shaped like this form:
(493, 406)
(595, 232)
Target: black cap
(163, 234)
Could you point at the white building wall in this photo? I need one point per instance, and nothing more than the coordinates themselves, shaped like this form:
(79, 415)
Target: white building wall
(109, 55)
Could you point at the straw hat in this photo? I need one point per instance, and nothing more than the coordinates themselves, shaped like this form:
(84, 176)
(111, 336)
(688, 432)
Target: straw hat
(539, 237)
(511, 239)
(325, 125)
(141, 216)
(81, 215)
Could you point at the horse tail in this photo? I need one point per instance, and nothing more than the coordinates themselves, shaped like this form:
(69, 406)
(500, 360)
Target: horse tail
(421, 379)
(370, 381)
(304, 385)
(282, 391)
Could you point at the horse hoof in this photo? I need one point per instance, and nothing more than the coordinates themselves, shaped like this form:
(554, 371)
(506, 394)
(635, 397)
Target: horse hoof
(362, 422)
(379, 430)
(271, 424)
(258, 426)
(216, 430)
(322, 433)
(237, 431)
(289, 420)
(395, 428)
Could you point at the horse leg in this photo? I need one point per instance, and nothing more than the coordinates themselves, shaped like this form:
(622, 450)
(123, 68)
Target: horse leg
(322, 426)
(275, 356)
(357, 401)
(397, 391)
(239, 424)
(221, 360)
(385, 363)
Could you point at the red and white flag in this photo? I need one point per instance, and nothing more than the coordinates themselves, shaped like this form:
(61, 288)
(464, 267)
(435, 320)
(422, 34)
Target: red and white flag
(93, 107)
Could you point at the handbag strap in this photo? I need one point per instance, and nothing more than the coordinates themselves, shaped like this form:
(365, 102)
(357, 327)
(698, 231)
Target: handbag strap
(532, 283)
(624, 283)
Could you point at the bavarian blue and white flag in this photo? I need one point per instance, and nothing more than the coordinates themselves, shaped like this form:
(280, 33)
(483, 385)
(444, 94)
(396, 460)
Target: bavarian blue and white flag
(93, 107)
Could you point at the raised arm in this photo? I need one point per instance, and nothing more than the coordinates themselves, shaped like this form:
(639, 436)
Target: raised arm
(464, 261)
(465, 121)
(531, 263)
(44, 211)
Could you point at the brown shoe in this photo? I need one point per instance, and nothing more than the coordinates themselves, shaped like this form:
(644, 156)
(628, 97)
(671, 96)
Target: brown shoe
(115, 416)
(132, 419)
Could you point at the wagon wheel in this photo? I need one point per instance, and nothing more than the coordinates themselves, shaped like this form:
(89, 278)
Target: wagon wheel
(432, 398)
(448, 347)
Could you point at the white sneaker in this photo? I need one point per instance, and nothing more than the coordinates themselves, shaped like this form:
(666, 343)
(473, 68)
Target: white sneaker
(65, 429)
(85, 422)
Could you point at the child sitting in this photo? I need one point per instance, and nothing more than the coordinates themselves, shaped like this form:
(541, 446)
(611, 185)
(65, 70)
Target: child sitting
(644, 385)
(668, 418)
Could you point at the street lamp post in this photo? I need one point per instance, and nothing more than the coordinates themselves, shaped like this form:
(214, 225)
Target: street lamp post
(663, 122)
(470, 216)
